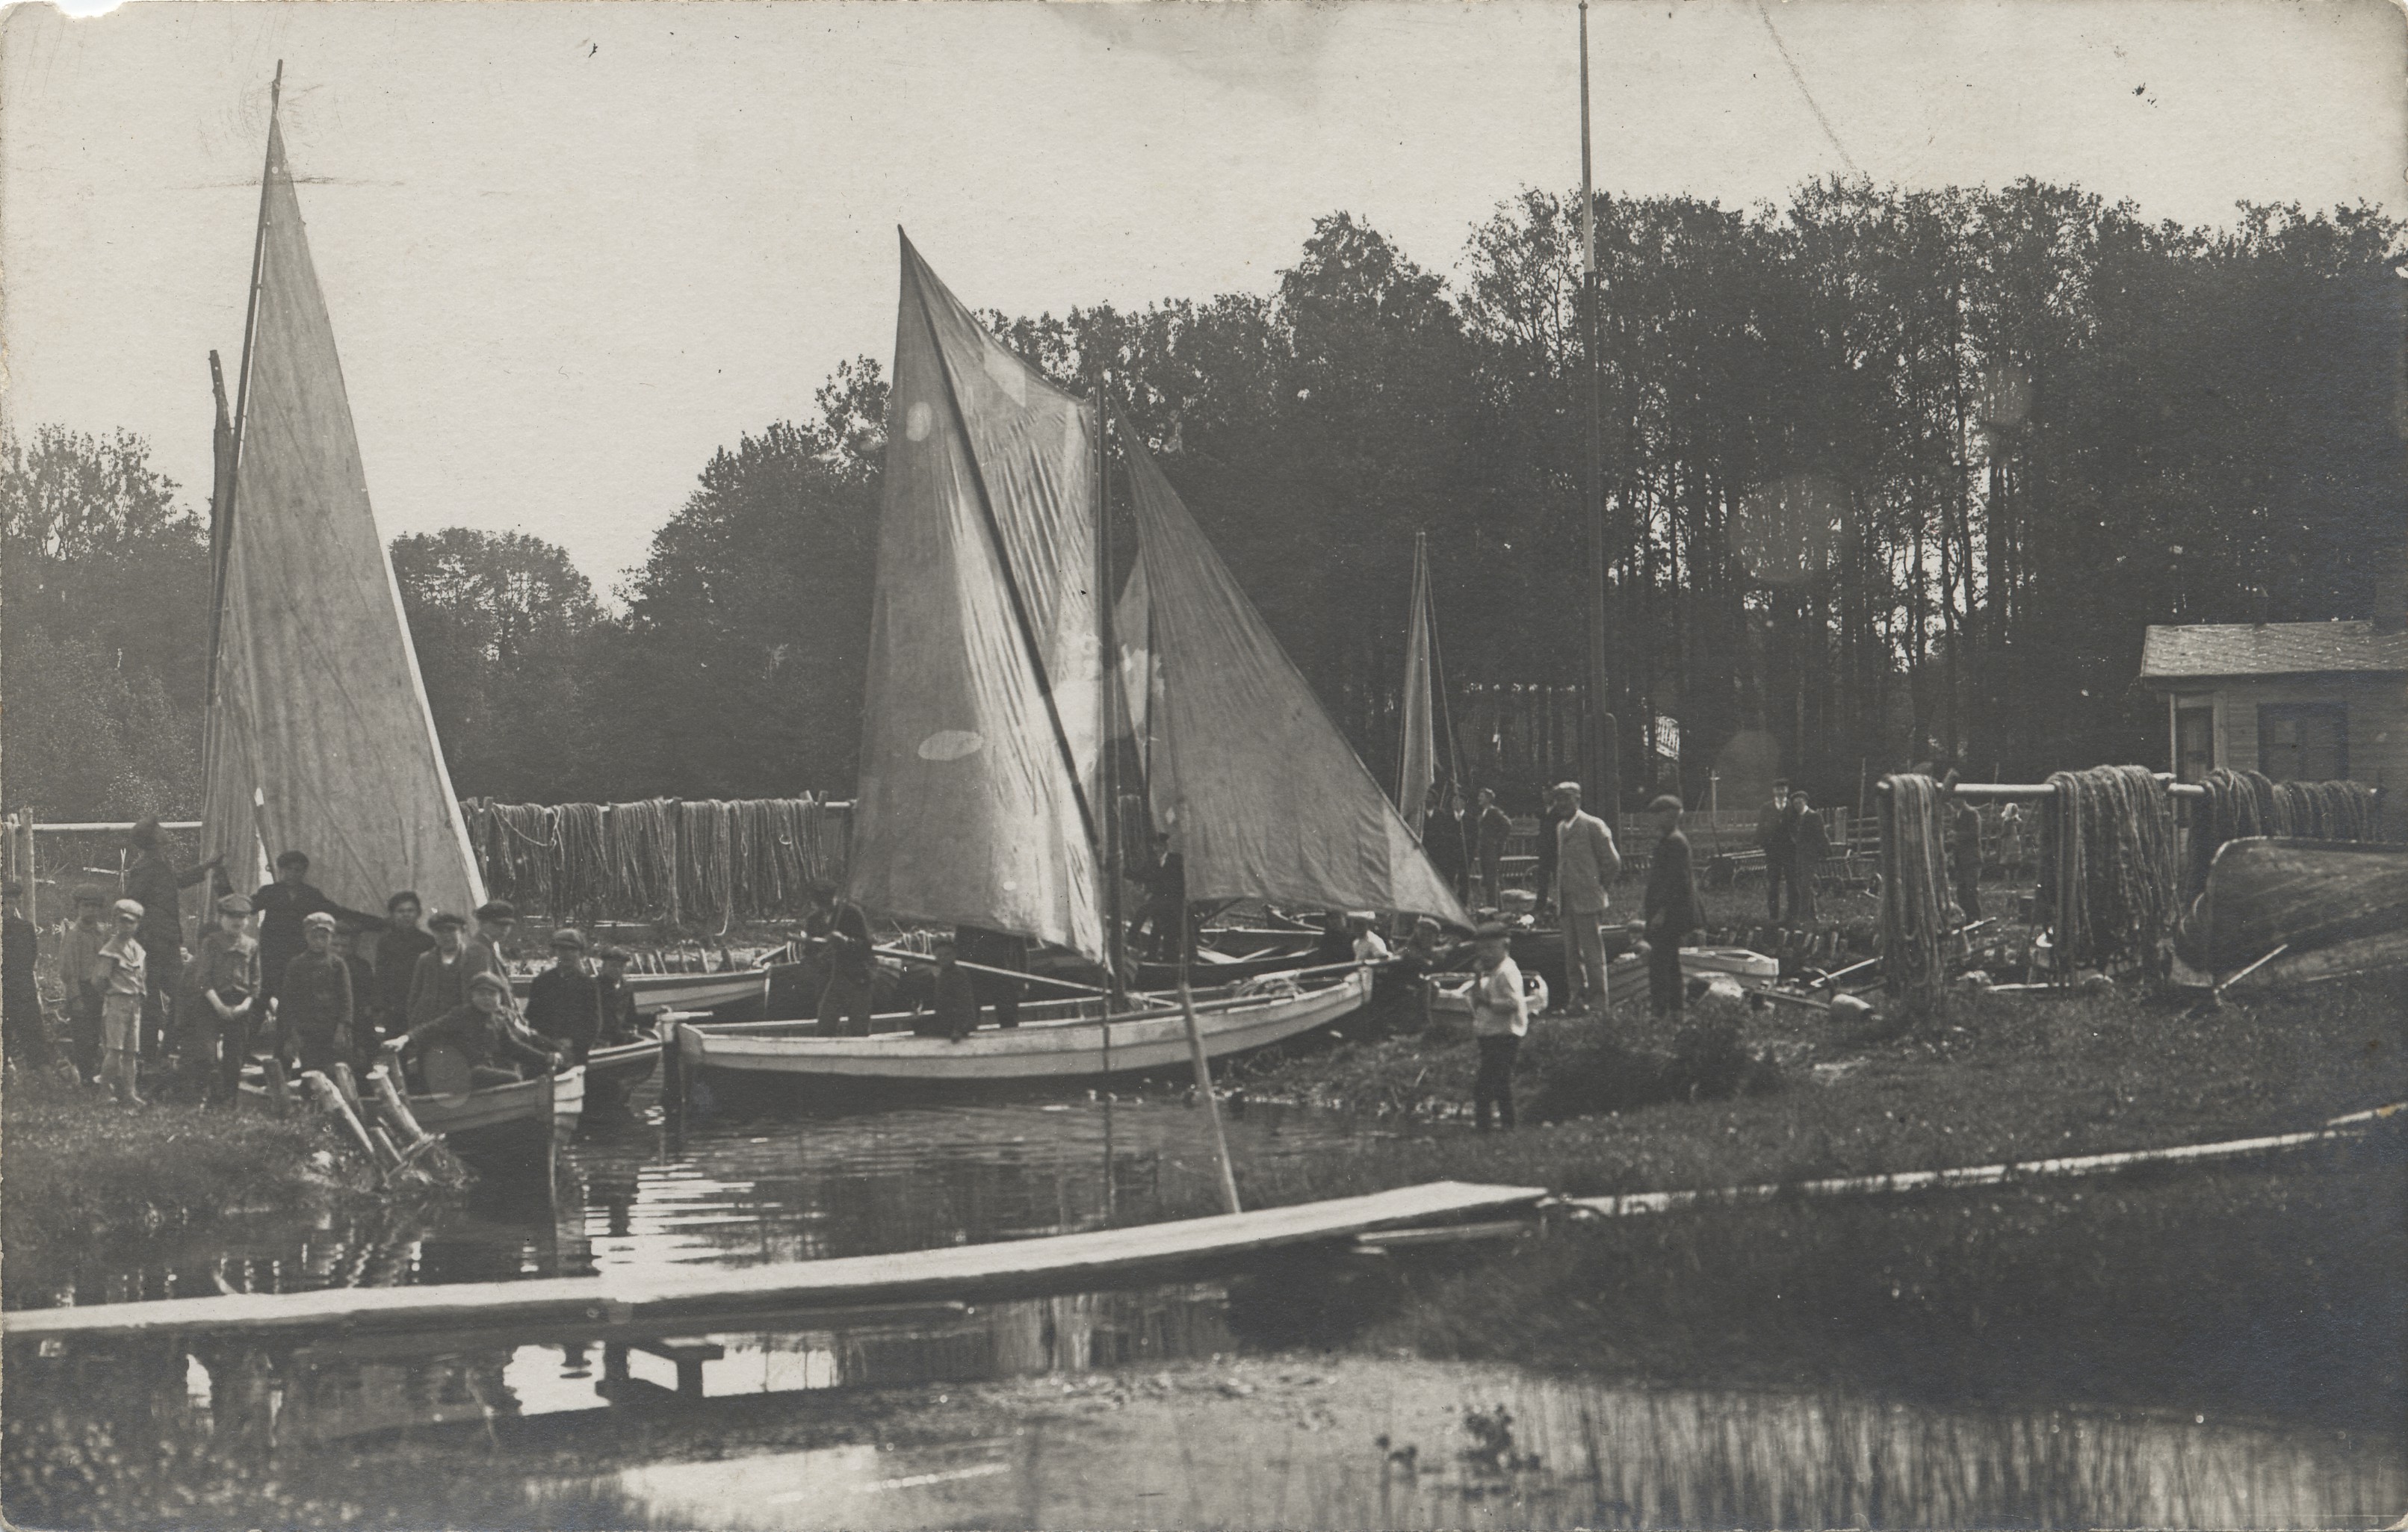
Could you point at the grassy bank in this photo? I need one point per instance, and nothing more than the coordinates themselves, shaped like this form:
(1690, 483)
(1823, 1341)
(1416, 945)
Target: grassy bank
(76, 1169)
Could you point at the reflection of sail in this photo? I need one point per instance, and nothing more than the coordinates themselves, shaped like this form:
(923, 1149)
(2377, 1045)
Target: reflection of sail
(318, 736)
(981, 706)
(1269, 800)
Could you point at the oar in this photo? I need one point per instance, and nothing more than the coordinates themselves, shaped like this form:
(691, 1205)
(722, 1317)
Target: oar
(2244, 973)
(1204, 1088)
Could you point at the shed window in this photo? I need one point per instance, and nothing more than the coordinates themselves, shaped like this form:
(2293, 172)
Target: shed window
(2303, 741)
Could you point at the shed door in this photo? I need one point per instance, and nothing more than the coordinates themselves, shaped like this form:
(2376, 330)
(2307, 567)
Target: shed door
(2303, 741)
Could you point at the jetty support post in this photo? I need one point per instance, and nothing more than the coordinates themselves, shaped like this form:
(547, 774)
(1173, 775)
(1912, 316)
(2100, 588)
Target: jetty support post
(1204, 1088)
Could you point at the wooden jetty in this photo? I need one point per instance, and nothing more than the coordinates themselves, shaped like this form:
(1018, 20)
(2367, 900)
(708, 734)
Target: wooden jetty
(698, 1301)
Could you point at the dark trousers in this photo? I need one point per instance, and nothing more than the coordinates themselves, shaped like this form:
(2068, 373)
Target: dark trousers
(214, 1048)
(1666, 989)
(1493, 1084)
(844, 1008)
(1776, 879)
(1802, 893)
(161, 967)
(26, 1036)
(1969, 893)
(83, 1031)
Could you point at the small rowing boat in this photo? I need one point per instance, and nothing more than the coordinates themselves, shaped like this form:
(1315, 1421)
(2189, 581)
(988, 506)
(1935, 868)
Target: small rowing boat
(654, 993)
(2323, 910)
(1450, 994)
(1056, 1040)
(513, 1130)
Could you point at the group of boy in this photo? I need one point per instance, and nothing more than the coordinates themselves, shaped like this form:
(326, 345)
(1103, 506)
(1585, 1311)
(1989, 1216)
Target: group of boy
(278, 972)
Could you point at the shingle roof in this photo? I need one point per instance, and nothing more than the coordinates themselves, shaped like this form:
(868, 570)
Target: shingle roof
(2271, 649)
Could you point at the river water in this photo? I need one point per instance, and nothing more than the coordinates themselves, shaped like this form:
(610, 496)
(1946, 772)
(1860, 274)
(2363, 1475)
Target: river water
(1224, 1403)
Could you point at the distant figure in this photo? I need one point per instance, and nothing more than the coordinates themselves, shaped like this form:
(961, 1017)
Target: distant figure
(1442, 839)
(1672, 908)
(993, 950)
(1367, 947)
(956, 1015)
(440, 983)
(481, 1031)
(151, 883)
(314, 1004)
(1551, 824)
(222, 1000)
(118, 972)
(1164, 919)
(282, 905)
(1500, 1016)
(79, 943)
(1965, 859)
(1336, 946)
(852, 972)
(1421, 955)
(1586, 864)
(399, 946)
(23, 1035)
(495, 919)
(564, 1005)
(1493, 828)
(1776, 833)
(1808, 845)
(621, 1021)
(2011, 839)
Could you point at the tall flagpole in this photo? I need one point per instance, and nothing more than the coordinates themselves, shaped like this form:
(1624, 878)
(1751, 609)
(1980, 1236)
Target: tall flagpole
(1597, 732)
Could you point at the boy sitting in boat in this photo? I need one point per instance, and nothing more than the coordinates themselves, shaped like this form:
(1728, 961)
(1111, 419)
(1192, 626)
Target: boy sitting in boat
(479, 1032)
(956, 1012)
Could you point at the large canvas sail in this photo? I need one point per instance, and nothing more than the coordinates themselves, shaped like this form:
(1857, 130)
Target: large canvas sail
(1267, 800)
(981, 706)
(1417, 764)
(319, 736)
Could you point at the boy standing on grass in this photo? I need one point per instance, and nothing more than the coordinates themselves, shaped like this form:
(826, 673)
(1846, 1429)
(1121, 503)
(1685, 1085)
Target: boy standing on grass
(315, 1000)
(120, 970)
(79, 943)
(1672, 909)
(1500, 1017)
(222, 986)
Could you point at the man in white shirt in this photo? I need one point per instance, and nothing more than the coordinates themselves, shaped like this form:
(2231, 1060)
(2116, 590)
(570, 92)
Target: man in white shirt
(1500, 1017)
(1368, 948)
(1586, 864)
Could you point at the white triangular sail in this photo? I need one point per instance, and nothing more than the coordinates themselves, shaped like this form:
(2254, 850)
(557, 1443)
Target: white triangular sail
(319, 738)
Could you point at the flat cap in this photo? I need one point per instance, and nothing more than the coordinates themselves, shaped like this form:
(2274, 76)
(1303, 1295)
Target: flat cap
(234, 904)
(90, 894)
(129, 907)
(316, 919)
(569, 935)
(487, 980)
(1491, 931)
(445, 920)
(498, 910)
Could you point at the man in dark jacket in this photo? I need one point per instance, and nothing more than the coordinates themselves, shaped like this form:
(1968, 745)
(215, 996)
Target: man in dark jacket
(444, 969)
(314, 1003)
(399, 946)
(1672, 909)
(22, 1033)
(1808, 845)
(1776, 834)
(1490, 832)
(283, 906)
(564, 1005)
(955, 1014)
(153, 882)
(481, 1032)
(1442, 839)
(621, 1021)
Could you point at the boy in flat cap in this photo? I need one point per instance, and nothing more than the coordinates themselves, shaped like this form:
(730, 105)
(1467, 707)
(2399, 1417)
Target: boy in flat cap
(120, 970)
(481, 1032)
(563, 1006)
(315, 1001)
(221, 992)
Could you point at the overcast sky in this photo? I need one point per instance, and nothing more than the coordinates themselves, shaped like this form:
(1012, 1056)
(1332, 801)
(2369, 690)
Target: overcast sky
(571, 248)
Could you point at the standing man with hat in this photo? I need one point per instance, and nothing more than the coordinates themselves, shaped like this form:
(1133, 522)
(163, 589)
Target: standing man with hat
(315, 1001)
(283, 906)
(154, 885)
(1492, 829)
(80, 942)
(1776, 833)
(1672, 908)
(441, 981)
(23, 1035)
(123, 985)
(564, 1005)
(1586, 864)
(399, 946)
(495, 919)
(220, 997)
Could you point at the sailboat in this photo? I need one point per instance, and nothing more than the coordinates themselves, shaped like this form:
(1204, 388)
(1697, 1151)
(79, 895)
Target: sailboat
(992, 727)
(318, 734)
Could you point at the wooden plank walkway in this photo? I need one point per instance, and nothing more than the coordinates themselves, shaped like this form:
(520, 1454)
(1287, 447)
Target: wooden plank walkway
(692, 1302)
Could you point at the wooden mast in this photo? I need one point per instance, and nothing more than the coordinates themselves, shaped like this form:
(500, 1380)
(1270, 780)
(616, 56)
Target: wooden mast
(1108, 848)
(225, 540)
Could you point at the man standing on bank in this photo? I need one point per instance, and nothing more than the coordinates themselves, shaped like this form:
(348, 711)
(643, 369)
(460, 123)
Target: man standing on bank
(153, 882)
(283, 906)
(399, 946)
(1776, 833)
(1672, 909)
(1586, 864)
(1490, 831)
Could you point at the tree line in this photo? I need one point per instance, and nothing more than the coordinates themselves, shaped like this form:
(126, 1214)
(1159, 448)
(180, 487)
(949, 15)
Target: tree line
(1889, 475)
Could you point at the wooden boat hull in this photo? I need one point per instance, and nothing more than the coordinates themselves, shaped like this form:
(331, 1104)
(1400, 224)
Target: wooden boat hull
(1064, 1045)
(1450, 994)
(654, 993)
(2347, 900)
(508, 1129)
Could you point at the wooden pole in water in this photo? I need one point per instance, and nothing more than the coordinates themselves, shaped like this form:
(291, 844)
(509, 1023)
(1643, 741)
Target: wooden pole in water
(1212, 1107)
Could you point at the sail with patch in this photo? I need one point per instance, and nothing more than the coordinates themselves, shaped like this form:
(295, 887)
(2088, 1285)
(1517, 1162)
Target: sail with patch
(982, 704)
(318, 738)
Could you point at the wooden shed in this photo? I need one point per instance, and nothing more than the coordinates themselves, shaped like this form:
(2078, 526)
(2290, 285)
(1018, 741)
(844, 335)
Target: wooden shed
(2297, 701)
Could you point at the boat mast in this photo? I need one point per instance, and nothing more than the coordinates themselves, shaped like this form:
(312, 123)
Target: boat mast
(1107, 820)
(1598, 735)
(223, 541)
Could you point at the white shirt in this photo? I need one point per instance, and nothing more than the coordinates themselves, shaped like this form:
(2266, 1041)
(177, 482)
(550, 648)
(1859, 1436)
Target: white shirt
(1498, 1004)
(1368, 948)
